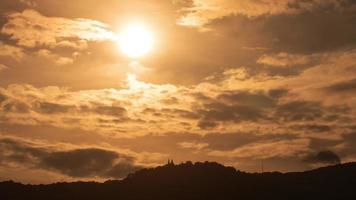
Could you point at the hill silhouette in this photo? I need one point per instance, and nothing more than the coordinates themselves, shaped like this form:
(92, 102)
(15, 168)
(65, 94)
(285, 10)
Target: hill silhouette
(208, 180)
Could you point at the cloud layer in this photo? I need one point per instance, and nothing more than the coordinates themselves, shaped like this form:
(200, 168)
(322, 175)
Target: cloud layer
(238, 82)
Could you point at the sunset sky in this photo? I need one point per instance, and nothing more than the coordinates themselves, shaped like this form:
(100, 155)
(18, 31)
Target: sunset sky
(93, 90)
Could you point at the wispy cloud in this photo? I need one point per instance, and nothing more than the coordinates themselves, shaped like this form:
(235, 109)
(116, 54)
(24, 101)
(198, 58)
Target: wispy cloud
(31, 29)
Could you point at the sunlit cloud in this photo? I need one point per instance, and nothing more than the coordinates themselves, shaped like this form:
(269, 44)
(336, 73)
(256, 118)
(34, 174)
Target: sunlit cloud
(11, 51)
(283, 59)
(46, 54)
(190, 145)
(30, 29)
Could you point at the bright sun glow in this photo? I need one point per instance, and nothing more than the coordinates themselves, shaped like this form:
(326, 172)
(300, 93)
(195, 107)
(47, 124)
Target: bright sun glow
(135, 40)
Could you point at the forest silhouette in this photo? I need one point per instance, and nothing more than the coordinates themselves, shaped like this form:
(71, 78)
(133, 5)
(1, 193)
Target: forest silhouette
(201, 180)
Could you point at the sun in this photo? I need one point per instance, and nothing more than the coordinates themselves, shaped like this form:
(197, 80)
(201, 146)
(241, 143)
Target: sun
(135, 40)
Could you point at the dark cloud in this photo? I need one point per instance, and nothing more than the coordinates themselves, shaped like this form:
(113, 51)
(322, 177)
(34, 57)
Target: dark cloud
(116, 111)
(2, 97)
(14, 106)
(334, 5)
(277, 93)
(304, 111)
(84, 163)
(80, 162)
(349, 144)
(318, 144)
(206, 124)
(299, 111)
(168, 112)
(52, 108)
(345, 86)
(297, 33)
(223, 112)
(238, 106)
(312, 128)
(113, 111)
(89, 163)
(55, 108)
(258, 100)
(21, 153)
(180, 112)
(323, 157)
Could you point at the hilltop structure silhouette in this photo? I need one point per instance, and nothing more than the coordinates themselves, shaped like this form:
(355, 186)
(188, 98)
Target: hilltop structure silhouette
(170, 162)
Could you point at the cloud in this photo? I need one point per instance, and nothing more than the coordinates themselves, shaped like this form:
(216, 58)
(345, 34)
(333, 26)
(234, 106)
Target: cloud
(314, 128)
(237, 106)
(59, 107)
(115, 111)
(236, 116)
(193, 145)
(207, 124)
(9, 105)
(299, 111)
(11, 51)
(3, 67)
(15, 107)
(8, 5)
(277, 92)
(258, 99)
(80, 162)
(52, 108)
(267, 149)
(201, 12)
(297, 34)
(31, 29)
(3, 97)
(223, 112)
(344, 86)
(323, 157)
(259, 79)
(283, 59)
(229, 101)
(57, 59)
(30, 3)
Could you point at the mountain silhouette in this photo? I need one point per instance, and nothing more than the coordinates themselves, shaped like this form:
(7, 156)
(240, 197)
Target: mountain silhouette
(208, 180)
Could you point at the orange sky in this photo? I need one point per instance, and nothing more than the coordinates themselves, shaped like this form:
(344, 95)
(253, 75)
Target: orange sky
(230, 81)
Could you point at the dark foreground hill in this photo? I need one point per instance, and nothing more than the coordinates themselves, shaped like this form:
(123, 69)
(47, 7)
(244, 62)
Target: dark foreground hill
(200, 181)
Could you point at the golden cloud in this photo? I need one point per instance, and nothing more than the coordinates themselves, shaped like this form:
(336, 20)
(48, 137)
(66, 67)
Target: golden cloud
(30, 29)
(11, 51)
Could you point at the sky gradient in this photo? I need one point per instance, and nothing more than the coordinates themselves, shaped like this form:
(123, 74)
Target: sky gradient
(237, 82)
